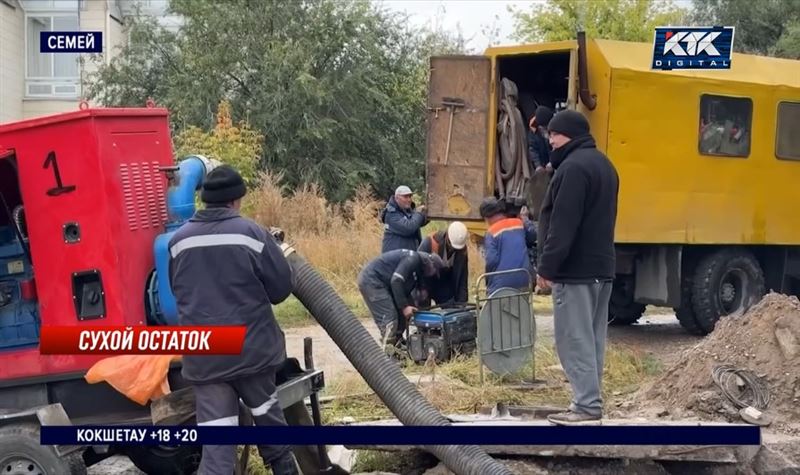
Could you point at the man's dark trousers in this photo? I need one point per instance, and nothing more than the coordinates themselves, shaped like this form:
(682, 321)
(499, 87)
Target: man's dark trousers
(218, 405)
(380, 303)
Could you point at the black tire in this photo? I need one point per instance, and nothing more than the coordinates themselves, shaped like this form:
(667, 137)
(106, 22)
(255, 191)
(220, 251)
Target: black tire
(172, 460)
(622, 309)
(21, 452)
(685, 313)
(725, 282)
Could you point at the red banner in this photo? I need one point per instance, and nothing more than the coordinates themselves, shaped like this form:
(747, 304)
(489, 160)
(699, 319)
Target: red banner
(141, 340)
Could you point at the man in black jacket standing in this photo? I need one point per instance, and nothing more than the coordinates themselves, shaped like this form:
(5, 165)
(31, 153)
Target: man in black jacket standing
(227, 270)
(577, 258)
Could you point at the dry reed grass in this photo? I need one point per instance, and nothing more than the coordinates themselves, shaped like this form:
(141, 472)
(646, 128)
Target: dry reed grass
(337, 239)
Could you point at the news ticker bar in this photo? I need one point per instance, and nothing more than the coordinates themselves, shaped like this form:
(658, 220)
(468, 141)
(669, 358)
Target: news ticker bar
(403, 435)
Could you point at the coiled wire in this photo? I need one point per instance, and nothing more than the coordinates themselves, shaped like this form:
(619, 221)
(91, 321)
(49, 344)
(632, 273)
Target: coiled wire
(753, 392)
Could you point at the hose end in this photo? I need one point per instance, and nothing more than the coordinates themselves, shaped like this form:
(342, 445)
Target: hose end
(287, 249)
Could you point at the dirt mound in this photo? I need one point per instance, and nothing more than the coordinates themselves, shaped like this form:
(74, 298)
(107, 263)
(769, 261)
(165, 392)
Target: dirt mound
(764, 340)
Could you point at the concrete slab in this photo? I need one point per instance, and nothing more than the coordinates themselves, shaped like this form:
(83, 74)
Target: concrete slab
(688, 453)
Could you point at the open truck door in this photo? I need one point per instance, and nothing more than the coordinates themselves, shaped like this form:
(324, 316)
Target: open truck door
(457, 142)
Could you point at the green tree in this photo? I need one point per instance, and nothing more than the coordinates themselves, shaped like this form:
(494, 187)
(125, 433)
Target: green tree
(235, 145)
(768, 27)
(337, 88)
(627, 20)
(788, 45)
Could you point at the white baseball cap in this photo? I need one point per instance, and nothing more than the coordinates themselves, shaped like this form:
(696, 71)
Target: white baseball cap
(403, 190)
(457, 234)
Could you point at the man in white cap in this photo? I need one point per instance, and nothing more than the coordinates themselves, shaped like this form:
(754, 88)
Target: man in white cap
(451, 286)
(402, 223)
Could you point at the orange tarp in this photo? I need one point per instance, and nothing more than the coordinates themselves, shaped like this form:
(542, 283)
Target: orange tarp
(141, 378)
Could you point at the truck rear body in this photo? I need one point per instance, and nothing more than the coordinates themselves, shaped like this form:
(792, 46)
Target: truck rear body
(707, 159)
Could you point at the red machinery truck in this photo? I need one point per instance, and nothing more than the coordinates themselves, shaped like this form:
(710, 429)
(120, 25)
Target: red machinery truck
(88, 200)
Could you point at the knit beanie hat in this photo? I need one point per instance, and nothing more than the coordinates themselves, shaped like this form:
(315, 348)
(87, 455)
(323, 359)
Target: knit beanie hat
(432, 262)
(491, 206)
(223, 185)
(543, 115)
(570, 123)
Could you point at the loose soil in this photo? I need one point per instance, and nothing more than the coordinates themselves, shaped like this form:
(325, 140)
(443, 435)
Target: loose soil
(764, 340)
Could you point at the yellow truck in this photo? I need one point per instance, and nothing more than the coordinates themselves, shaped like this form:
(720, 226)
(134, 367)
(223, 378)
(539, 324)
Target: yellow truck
(708, 160)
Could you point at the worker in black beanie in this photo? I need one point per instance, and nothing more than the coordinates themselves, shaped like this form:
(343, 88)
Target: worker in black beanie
(227, 270)
(222, 187)
(577, 258)
(569, 123)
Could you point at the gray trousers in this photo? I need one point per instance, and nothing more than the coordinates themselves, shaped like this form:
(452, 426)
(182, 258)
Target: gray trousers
(381, 305)
(581, 321)
(217, 404)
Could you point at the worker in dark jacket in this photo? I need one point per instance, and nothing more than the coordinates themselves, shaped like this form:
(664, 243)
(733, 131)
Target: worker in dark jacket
(577, 258)
(451, 245)
(505, 247)
(387, 283)
(402, 223)
(538, 142)
(227, 270)
(539, 158)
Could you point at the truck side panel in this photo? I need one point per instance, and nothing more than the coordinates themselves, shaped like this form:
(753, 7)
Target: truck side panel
(670, 192)
(600, 81)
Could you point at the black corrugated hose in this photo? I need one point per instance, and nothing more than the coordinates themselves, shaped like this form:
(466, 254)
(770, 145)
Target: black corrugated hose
(380, 372)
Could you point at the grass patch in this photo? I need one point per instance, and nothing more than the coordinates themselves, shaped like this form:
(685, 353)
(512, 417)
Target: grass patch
(368, 461)
(291, 313)
(542, 305)
(457, 388)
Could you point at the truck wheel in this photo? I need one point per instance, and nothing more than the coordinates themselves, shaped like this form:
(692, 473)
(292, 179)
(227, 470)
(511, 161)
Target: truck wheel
(622, 309)
(22, 454)
(166, 460)
(725, 282)
(685, 312)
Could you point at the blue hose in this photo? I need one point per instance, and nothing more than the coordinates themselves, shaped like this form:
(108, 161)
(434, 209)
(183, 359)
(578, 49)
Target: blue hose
(181, 195)
(180, 207)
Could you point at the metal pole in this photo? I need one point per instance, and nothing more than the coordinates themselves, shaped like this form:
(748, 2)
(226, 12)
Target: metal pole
(533, 340)
(478, 308)
(322, 453)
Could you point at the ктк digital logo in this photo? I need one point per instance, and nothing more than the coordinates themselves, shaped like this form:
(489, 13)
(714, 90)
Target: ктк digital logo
(692, 48)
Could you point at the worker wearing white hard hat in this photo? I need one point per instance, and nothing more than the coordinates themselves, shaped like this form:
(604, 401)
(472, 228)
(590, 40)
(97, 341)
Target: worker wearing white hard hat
(451, 286)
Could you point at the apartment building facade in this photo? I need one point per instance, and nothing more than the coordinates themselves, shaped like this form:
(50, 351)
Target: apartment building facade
(34, 83)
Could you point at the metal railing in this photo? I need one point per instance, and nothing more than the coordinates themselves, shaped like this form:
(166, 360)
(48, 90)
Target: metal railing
(496, 306)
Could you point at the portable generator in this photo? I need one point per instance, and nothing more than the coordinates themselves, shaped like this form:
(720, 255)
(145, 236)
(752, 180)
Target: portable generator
(443, 332)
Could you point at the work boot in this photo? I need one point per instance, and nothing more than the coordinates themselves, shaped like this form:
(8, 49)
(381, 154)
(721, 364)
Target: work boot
(285, 465)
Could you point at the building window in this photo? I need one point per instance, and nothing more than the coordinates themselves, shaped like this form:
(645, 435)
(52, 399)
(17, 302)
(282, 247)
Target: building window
(52, 75)
(787, 139)
(725, 125)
